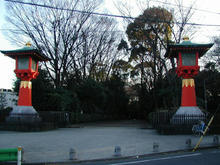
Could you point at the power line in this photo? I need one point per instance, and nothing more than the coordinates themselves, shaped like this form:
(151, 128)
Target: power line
(18, 30)
(118, 31)
(101, 14)
(202, 10)
(73, 10)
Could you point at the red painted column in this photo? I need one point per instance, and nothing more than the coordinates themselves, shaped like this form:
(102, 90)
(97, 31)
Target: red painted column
(188, 93)
(24, 98)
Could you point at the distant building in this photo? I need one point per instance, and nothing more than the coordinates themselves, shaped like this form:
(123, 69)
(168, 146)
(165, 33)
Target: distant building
(8, 98)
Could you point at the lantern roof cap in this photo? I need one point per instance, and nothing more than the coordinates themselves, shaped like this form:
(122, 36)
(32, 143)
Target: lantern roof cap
(187, 46)
(27, 50)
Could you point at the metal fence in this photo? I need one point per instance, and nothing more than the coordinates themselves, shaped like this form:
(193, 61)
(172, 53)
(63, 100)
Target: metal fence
(170, 123)
(47, 120)
(160, 118)
(32, 122)
(188, 119)
(165, 118)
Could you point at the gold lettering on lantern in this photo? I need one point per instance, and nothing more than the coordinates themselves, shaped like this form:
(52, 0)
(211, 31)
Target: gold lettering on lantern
(25, 84)
(188, 82)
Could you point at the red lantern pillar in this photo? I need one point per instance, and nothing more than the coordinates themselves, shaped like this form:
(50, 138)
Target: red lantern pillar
(24, 97)
(188, 93)
(187, 55)
(27, 59)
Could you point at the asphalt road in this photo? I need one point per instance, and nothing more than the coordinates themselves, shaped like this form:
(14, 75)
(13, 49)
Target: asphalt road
(205, 157)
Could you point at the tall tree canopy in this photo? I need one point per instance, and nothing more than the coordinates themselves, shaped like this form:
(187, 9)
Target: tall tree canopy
(148, 36)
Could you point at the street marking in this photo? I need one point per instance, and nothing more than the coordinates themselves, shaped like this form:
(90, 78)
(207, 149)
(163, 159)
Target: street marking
(166, 158)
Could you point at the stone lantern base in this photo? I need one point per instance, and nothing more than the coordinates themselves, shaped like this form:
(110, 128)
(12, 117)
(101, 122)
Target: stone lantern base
(23, 114)
(183, 110)
(187, 115)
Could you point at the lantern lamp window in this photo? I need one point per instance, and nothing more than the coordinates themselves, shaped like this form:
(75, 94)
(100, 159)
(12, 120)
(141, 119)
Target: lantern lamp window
(188, 59)
(34, 65)
(23, 63)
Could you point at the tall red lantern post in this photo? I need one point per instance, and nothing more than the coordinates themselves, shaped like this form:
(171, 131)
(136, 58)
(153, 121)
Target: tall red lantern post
(187, 55)
(27, 59)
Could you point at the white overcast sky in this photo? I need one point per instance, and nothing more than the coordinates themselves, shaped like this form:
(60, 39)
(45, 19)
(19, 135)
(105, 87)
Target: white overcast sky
(204, 34)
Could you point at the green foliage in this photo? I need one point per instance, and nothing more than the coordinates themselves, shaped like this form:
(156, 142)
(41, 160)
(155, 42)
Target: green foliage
(168, 91)
(42, 90)
(4, 113)
(16, 85)
(148, 36)
(92, 96)
(84, 96)
(117, 99)
(148, 30)
(207, 87)
(153, 23)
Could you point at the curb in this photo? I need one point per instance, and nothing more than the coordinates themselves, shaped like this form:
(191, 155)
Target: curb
(117, 158)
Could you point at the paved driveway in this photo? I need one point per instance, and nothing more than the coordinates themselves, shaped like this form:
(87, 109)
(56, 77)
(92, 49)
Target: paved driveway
(94, 141)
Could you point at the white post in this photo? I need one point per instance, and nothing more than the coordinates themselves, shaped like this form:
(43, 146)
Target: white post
(117, 152)
(155, 147)
(72, 154)
(19, 155)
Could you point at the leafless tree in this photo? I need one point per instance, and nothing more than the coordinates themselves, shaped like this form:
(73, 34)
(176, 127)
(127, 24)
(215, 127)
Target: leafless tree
(183, 15)
(63, 34)
(98, 49)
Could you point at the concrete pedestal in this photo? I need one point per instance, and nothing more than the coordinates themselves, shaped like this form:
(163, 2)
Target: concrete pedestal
(187, 115)
(188, 111)
(23, 114)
